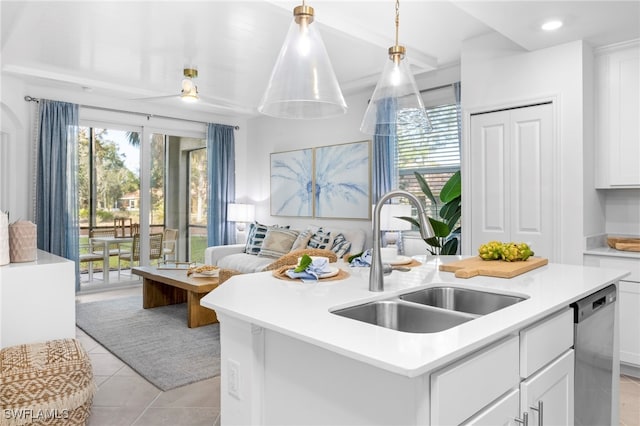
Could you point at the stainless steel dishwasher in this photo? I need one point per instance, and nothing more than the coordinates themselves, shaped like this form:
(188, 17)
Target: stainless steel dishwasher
(594, 318)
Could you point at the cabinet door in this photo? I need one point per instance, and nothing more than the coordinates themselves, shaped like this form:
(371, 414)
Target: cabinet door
(624, 131)
(630, 322)
(553, 386)
(501, 413)
(511, 177)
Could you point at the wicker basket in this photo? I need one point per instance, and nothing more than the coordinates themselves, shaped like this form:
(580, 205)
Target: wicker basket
(23, 245)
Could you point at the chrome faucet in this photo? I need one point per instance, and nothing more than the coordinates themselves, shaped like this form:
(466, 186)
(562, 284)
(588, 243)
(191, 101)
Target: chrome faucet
(426, 231)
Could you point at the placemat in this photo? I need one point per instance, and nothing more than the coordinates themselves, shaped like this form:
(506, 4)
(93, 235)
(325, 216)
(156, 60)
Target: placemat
(280, 274)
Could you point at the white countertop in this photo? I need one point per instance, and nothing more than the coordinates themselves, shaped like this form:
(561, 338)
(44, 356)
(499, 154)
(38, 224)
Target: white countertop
(608, 251)
(302, 310)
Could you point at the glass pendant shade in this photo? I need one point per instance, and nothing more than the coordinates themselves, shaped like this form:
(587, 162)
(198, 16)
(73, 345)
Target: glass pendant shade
(189, 91)
(396, 106)
(303, 84)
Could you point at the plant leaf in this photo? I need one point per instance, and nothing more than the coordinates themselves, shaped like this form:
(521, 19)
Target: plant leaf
(451, 189)
(449, 209)
(450, 247)
(433, 242)
(451, 221)
(411, 220)
(440, 229)
(305, 261)
(425, 187)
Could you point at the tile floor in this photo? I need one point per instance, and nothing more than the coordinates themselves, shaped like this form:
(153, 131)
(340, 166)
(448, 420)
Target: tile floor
(125, 398)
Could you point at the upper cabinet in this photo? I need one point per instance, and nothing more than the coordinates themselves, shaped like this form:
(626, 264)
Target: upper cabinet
(618, 116)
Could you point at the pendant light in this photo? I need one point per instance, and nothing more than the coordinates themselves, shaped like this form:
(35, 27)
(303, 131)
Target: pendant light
(302, 83)
(396, 106)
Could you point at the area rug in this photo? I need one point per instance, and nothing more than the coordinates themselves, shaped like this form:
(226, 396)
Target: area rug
(156, 342)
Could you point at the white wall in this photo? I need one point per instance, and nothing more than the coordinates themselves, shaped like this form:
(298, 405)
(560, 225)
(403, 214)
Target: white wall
(497, 74)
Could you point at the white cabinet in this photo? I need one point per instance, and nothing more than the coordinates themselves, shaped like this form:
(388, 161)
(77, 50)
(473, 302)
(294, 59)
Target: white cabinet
(511, 173)
(628, 304)
(462, 389)
(550, 391)
(629, 299)
(618, 116)
(482, 385)
(502, 413)
(37, 300)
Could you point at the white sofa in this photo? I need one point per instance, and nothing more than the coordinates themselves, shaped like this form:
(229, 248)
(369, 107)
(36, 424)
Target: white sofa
(234, 256)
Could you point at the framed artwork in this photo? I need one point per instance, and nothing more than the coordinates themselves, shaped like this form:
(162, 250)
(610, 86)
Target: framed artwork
(342, 181)
(292, 183)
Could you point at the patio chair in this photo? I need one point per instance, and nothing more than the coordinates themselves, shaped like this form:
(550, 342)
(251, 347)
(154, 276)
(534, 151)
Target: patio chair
(90, 258)
(155, 252)
(104, 232)
(170, 244)
(123, 226)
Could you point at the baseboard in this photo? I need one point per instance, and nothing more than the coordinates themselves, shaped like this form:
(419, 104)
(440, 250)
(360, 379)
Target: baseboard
(630, 370)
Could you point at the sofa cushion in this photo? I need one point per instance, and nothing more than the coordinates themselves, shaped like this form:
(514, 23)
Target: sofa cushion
(245, 263)
(277, 242)
(255, 237)
(321, 239)
(340, 245)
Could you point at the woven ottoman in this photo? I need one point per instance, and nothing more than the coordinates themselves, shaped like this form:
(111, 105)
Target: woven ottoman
(48, 383)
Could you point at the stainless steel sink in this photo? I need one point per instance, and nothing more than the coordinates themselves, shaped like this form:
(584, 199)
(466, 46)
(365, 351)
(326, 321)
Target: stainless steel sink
(403, 316)
(462, 299)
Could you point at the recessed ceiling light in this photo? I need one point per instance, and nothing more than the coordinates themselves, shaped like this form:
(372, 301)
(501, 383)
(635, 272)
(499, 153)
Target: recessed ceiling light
(551, 25)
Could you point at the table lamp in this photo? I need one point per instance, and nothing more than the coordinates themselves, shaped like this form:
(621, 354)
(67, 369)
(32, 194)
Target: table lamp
(391, 225)
(241, 214)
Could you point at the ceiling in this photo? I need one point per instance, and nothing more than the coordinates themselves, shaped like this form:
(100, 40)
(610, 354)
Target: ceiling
(137, 50)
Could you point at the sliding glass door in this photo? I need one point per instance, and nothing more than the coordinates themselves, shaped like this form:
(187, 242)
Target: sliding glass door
(197, 204)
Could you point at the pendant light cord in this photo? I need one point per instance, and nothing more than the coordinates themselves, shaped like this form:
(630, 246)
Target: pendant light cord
(397, 19)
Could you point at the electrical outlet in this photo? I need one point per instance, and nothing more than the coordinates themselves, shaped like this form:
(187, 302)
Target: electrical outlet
(233, 378)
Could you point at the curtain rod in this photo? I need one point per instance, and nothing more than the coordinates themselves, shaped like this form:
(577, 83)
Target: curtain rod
(32, 99)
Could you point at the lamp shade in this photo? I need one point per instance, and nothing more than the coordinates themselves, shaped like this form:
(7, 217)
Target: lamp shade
(396, 107)
(389, 217)
(241, 212)
(303, 84)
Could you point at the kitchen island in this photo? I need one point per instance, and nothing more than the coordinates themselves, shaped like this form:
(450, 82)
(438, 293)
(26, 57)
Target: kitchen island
(286, 359)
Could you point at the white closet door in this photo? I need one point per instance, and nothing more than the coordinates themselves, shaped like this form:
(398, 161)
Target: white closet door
(511, 177)
(489, 178)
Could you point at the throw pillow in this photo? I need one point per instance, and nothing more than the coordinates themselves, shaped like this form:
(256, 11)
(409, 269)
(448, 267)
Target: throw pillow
(321, 239)
(256, 236)
(340, 246)
(277, 242)
(303, 240)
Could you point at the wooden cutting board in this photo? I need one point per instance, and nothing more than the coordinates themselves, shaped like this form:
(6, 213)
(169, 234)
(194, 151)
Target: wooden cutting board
(625, 244)
(473, 266)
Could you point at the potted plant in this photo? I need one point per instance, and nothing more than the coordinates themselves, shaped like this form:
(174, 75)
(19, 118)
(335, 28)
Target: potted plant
(445, 240)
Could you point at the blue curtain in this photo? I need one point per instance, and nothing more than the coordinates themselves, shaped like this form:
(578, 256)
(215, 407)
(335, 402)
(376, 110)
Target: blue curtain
(385, 148)
(222, 183)
(457, 90)
(56, 196)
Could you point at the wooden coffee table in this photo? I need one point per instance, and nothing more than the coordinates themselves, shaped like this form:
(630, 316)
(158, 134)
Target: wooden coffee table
(161, 287)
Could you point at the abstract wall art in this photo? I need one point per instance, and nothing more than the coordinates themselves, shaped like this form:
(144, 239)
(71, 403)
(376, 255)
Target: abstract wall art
(291, 183)
(327, 182)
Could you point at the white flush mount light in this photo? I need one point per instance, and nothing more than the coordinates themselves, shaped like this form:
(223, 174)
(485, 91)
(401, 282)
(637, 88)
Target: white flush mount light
(551, 25)
(189, 91)
(303, 84)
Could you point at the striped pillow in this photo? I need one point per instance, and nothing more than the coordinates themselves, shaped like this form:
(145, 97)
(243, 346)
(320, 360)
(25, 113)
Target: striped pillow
(340, 246)
(321, 239)
(277, 242)
(255, 237)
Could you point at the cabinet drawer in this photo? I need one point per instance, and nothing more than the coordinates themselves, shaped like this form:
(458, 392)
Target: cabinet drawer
(544, 341)
(465, 387)
(500, 413)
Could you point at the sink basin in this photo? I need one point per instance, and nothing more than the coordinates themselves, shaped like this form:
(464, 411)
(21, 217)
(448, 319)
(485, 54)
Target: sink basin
(462, 299)
(403, 316)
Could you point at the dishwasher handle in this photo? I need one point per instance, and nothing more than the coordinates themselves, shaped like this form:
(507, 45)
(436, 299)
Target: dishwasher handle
(590, 305)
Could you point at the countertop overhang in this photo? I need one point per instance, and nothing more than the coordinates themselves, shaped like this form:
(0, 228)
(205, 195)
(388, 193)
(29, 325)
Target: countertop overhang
(302, 311)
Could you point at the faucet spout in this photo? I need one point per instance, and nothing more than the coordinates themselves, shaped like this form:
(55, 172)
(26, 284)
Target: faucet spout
(376, 282)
